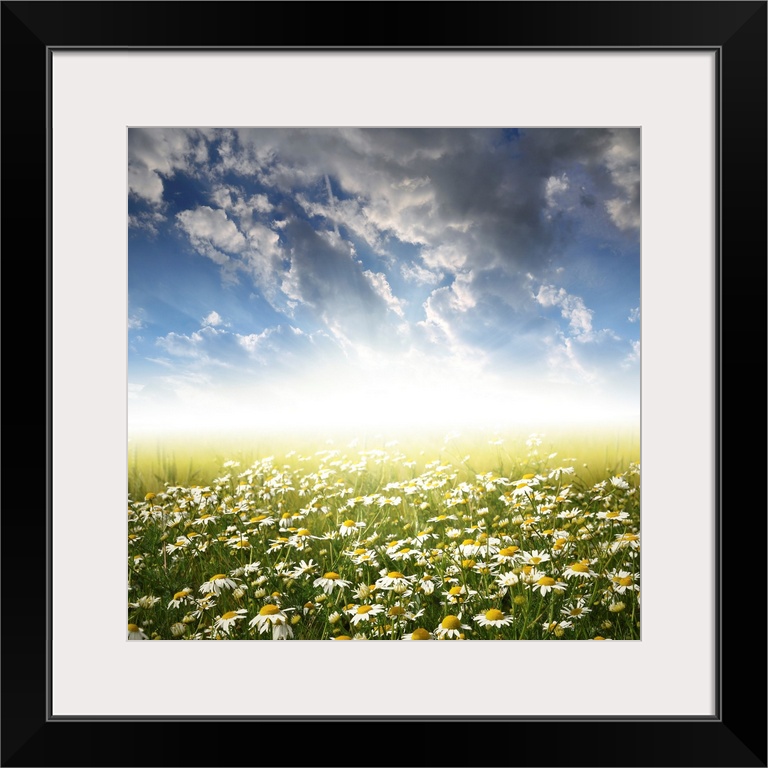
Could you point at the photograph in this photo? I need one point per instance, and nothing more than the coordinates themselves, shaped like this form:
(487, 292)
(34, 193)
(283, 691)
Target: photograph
(370, 341)
(384, 383)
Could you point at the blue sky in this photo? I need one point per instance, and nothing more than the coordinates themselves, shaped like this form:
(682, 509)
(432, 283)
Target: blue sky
(291, 278)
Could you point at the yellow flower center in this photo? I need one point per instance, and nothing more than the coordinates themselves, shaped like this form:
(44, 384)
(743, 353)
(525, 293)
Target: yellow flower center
(349, 523)
(469, 563)
(258, 518)
(395, 575)
(494, 615)
(534, 560)
(269, 610)
(359, 551)
(331, 575)
(546, 581)
(149, 497)
(218, 576)
(134, 627)
(343, 637)
(529, 476)
(286, 515)
(180, 595)
(363, 609)
(626, 581)
(508, 551)
(302, 532)
(396, 610)
(468, 543)
(229, 615)
(450, 622)
(580, 568)
(420, 634)
(454, 590)
(612, 514)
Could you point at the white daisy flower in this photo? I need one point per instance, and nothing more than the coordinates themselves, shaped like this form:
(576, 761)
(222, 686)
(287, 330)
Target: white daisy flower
(364, 612)
(270, 616)
(135, 633)
(348, 527)
(217, 583)
(579, 570)
(493, 618)
(450, 628)
(330, 580)
(229, 619)
(419, 634)
(394, 580)
(545, 584)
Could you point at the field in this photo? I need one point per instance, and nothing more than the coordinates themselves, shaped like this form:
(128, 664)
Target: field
(534, 537)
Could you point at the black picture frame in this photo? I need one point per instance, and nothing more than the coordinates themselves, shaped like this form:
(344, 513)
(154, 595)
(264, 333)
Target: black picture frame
(736, 736)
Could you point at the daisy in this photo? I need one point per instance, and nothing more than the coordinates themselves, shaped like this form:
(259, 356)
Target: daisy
(507, 580)
(135, 633)
(394, 580)
(458, 594)
(508, 554)
(364, 612)
(180, 597)
(329, 580)
(270, 616)
(624, 540)
(146, 602)
(422, 537)
(304, 568)
(218, 583)
(546, 584)
(556, 628)
(229, 619)
(441, 518)
(348, 527)
(419, 634)
(534, 558)
(450, 627)
(493, 618)
(577, 610)
(263, 521)
(579, 570)
(426, 585)
(621, 581)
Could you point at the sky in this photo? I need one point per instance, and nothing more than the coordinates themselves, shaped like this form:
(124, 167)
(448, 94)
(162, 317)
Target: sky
(360, 278)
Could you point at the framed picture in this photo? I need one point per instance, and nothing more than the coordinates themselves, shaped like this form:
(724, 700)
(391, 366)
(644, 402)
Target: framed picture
(662, 84)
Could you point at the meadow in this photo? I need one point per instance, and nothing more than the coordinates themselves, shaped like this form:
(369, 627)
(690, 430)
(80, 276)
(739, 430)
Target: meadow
(533, 537)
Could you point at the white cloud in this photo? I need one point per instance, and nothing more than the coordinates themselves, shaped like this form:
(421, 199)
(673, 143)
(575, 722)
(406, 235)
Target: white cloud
(623, 163)
(634, 315)
(413, 273)
(572, 308)
(555, 186)
(633, 356)
(209, 226)
(157, 153)
(379, 283)
(213, 318)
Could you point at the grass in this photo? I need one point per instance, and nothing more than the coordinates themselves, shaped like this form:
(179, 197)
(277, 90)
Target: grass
(476, 539)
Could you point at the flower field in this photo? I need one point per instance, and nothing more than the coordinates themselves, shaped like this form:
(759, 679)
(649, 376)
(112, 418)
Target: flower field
(377, 545)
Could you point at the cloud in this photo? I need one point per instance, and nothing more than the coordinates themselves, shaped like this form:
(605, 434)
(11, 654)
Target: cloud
(207, 226)
(148, 221)
(158, 153)
(623, 163)
(634, 315)
(413, 273)
(572, 309)
(633, 356)
(213, 319)
(378, 281)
